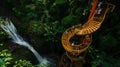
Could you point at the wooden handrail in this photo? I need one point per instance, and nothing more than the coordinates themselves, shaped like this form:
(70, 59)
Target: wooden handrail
(93, 8)
(94, 22)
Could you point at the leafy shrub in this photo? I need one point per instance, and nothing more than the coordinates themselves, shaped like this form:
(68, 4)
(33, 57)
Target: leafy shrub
(5, 58)
(23, 63)
(102, 59)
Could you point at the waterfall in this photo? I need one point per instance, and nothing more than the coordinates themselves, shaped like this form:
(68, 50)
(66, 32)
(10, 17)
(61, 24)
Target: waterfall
(10, 29)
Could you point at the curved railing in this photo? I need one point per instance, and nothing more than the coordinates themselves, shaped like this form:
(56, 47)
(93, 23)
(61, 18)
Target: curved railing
(85, 31)
(73, 50)
(95, 21)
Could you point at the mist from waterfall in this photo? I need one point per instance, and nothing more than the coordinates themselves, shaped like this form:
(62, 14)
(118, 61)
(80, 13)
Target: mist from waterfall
(10, 29)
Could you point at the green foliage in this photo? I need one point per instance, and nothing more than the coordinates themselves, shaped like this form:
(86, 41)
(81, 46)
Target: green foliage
(23, 63)
(60, 1)
(30, 6)
(51, 31)
(1, 21)
(36, 27)
(101, 59)
(42, 65)
(48, 30)
(107, 41)
(79, 11)
(3, 35)
(25, 14)
(32, 10)
(68, 20)
(5, 58)
(48, 19)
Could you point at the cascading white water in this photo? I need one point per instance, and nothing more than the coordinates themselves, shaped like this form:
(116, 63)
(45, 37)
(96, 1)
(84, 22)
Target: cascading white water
(10, 29)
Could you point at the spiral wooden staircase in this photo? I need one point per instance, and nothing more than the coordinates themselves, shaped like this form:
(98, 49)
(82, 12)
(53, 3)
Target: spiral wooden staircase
(75, 52)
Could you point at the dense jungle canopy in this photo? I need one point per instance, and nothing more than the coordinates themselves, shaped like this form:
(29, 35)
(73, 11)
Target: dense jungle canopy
(42, 23)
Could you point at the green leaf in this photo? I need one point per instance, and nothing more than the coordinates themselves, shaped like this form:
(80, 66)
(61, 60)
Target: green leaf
(79, 11)
(68, 20)
(7, 63)
(31, 6)
(60, 1)
(1, 62)
(7, 59)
